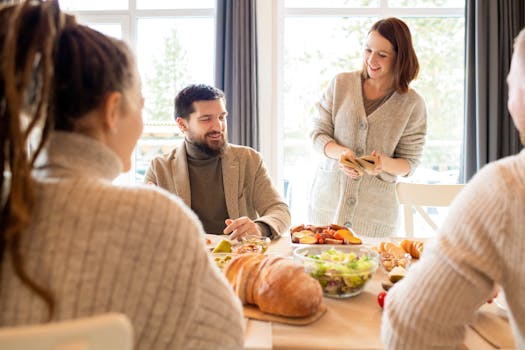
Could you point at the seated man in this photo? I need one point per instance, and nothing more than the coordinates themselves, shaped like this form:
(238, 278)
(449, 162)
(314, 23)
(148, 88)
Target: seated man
(479, 245)
(226, 185)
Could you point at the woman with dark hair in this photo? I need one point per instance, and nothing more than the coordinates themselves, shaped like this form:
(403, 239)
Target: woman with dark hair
(72, 244)
(369, 112)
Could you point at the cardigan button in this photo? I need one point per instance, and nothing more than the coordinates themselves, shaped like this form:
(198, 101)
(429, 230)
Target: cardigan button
(351, 201)
(362, 125)
(348, 224)
(359, 151)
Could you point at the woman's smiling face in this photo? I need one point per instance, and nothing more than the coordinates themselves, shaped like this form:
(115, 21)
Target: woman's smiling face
(378, 56)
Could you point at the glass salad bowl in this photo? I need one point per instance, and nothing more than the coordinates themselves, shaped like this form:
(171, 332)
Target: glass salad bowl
(342, 271)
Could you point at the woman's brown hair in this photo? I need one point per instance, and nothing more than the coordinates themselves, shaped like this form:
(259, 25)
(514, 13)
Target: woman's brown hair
(406, 65)
(52, 72)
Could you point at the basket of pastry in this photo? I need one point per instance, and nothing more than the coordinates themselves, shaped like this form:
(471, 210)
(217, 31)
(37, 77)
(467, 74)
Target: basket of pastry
(330, 234)
(274, 286)
(392, 255)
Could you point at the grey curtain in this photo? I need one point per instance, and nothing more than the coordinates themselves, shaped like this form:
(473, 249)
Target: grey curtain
(236, 68)
(491, 26)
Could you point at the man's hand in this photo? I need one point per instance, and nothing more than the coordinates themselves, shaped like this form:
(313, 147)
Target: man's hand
(241, 227)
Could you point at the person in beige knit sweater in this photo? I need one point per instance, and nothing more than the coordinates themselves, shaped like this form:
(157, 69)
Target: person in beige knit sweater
(73, 244)
(371, 111)
(479, 245)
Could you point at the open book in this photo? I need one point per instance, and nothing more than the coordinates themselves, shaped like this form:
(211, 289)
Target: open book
(364, 164)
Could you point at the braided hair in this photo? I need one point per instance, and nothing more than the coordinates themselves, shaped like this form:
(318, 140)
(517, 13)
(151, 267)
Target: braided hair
(52, 72)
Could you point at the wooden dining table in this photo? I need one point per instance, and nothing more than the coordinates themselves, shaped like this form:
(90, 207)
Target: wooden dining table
(355, 323)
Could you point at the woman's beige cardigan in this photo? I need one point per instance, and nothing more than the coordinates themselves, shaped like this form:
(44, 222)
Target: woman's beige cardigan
(397, 129)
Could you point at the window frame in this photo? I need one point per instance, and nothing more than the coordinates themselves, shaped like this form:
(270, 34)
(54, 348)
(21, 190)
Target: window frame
(270, 20)
(128, 20)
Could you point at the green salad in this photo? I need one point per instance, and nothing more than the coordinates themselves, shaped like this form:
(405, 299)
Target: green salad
(341, 274)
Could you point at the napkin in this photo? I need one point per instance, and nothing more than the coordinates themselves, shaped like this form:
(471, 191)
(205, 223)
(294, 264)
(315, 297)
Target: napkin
(494, 329)
(364, 164)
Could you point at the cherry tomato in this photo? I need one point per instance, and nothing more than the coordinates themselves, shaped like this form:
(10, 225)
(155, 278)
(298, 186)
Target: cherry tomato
(381, 299)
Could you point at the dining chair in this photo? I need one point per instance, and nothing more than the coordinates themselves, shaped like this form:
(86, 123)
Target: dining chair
(103, 332)
(415, 196)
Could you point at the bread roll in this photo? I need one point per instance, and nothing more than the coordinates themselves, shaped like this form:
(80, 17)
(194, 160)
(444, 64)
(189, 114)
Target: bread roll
(244, 271)
(414, 248)
(287, 290)
(276, 285)
(268, 261)
(395, 250)
(232, 268)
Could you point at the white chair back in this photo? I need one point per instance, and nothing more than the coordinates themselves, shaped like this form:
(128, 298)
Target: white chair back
(415, 196)
(104, 332)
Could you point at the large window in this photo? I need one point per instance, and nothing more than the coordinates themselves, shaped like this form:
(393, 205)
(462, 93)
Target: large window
(174, 41)
(307, 42)
(322, 38)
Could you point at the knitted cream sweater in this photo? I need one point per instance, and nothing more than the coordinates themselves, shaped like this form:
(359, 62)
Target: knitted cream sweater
(396, 129)
(102, 248)
(480, 243)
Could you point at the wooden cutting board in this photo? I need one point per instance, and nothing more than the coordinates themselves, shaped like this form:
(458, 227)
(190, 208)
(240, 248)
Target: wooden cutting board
(252, 311)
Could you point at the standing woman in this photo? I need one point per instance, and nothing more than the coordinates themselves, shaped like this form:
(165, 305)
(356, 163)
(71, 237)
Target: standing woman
(72, 244)
(371, 111)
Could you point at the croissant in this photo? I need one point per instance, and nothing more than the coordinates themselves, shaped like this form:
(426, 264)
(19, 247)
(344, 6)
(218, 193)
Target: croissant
(276, 285)
(393, 249)
(414, 248)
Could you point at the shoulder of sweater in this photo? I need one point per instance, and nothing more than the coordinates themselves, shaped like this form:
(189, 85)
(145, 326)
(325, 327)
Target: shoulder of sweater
(409, 100)
(162, 206)
(347, 77)
(144, 196)
(497, 183)
(508, 172)
(413, 95)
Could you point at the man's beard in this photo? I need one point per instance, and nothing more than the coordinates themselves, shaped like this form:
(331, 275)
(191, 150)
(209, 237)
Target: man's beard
(218, 146)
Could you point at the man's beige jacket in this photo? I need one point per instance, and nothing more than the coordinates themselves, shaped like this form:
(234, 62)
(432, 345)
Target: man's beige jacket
(248, 189)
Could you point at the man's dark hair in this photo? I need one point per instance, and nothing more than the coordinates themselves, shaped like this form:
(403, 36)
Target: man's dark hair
(191, 93)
